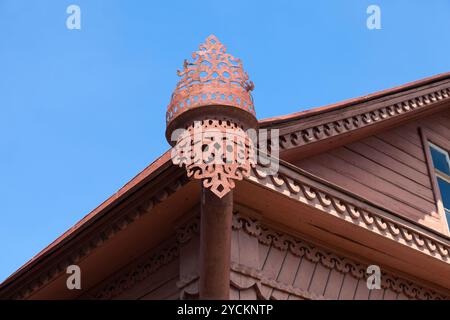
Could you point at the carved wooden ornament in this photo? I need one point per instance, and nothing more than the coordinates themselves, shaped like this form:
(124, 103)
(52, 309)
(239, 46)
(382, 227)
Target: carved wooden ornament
(208, 118)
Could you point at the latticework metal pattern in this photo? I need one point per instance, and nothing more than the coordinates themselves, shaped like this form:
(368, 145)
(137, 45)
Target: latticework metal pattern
(214, 77)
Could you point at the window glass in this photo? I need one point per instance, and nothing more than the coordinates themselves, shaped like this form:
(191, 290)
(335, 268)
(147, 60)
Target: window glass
(441, 163)
(444, 186)
(447, 214)
(440, 160)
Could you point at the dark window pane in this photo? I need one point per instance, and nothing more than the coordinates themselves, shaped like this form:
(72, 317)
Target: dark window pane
(444, 186)
(447, 213)
(440, 160)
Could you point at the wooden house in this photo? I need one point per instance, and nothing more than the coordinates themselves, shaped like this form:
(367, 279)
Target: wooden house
(364, 182)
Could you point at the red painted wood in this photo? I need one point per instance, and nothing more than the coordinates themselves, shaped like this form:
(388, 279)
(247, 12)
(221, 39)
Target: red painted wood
(289, 269)
(348, 288)
(248, 246)
(163, 292)
(388, 169)
(319, 280)
(362, 292)
(234, 294)
(376, 294)
(409, 131)
(247, 294)
(389, 175)
(320, 166)
(274, 262)
(334, 285)
(401, 296)
(396, 153)
(402, 144)
(390, 162)
(291, 297)
(304, 274)
(390, 295)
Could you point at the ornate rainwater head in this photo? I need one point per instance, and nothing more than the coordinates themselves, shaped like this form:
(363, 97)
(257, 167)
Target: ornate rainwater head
(210, 116)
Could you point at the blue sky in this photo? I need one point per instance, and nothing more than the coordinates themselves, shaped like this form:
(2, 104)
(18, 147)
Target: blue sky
(82, 111)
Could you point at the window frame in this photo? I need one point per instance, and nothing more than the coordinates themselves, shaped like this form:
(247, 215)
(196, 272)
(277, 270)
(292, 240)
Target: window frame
(441, 174)
(446, 178)
(431, 139)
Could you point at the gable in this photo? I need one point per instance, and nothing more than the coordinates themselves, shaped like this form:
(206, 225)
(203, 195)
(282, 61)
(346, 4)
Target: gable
(370, 192)
(389, 169)
(316, 130)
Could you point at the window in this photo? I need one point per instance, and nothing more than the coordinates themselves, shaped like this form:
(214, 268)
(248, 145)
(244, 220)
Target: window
(441, 163)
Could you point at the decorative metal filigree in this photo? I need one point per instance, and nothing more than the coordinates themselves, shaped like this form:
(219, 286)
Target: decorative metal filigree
(214, 77)
(213, 144)
(217, 152)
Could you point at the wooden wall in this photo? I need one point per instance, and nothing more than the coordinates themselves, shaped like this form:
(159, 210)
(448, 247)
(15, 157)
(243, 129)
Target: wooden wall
(161, 285)
(388, 169)
(266, 263)
(152, 276)
(269, 264)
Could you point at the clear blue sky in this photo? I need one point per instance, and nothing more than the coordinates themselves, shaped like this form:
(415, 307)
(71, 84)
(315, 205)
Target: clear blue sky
(82, 111)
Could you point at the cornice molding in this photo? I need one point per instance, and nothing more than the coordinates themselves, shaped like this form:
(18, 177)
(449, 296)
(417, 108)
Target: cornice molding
(186, 232)
(150, 264)
(260, 280)
(95, 240)
(139, 272)
(344, 121)
(313, 192)
(315, 254)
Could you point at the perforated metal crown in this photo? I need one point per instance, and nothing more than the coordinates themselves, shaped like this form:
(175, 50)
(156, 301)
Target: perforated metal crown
(213, 78)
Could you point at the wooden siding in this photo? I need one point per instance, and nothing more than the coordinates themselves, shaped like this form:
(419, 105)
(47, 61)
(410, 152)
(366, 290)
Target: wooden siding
(388, 169)
(266, 263)
(271, 264)
(161, 285)
(153, 276)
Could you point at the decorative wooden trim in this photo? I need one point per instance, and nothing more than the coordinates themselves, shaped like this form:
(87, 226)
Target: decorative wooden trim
(96, 239)
(150, 264)
(224, 83)
(316, 193)
(213, 105)
(187, 280)
(357, 118)
(260, 280)
(185, 233)
(427, 136)
(139, 273)
(315, 254)
(228, 154)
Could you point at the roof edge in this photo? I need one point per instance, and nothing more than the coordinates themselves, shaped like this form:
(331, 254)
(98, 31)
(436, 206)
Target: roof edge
(280, 120)
(150, 171)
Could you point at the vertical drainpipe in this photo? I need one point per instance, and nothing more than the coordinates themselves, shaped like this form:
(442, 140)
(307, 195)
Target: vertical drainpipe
(208, 118)
(215, 245)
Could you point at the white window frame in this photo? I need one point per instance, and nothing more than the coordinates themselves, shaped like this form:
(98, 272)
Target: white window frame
(446, 154)
(440, 174)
